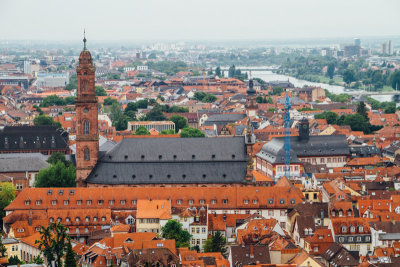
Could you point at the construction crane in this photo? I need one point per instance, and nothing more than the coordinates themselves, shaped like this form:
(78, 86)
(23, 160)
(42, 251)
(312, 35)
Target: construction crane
(287, 136)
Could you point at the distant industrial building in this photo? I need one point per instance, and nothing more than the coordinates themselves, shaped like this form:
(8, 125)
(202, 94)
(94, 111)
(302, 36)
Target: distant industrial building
(52, 79)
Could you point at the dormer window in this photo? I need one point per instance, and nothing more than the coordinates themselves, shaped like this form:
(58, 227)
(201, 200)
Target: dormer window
(100, 202)
(27, 202)
(190, 201)
(51, 220)
(352, 229)
(87, 219)
(66, 202)
(88, 202)
(111, 202)
(103, 219)
(77, 219)
(225, 201)
(79, 202)
(134, 202)
(360, 228)
(245, 201)
(179, 201)
(214, 201)
(344, 229)
(95, 219)
(202, 201)
(123, 202)
(38, 202)
(54, 202)
(255, 201)
(281, 201)
(67, 219)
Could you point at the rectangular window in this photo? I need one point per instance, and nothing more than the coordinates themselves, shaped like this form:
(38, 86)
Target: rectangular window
(88, 202)
(79, 202)
(322, 160)
(203, 229)
(246, 201)
(123, 202)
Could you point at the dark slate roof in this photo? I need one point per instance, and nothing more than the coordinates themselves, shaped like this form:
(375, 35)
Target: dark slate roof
(339, 255)
(317, 145)
(363, 151)
(223, 119)
(25, 138)
(241, 255)
(172, 160)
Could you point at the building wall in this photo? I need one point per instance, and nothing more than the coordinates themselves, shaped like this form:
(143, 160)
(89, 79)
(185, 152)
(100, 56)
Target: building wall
(28, 252)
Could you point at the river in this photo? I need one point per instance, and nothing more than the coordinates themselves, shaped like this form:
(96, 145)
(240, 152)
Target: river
(268, 76)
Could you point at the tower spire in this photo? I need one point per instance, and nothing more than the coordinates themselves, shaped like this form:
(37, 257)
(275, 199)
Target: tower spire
(84, 39)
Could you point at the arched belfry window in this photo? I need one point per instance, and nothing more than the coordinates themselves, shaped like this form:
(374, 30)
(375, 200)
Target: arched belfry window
(85, 83)
(86, 127)
(86, 154)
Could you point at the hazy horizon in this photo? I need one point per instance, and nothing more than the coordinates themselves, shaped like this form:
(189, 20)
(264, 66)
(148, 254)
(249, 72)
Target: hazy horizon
(180, 20)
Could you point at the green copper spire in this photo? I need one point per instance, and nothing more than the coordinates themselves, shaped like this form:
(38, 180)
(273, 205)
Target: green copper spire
(84, 39)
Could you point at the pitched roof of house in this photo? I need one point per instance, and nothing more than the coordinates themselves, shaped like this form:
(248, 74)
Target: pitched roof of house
(160, 209)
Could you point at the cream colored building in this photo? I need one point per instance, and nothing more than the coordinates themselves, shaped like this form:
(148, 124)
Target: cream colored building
(152, 215)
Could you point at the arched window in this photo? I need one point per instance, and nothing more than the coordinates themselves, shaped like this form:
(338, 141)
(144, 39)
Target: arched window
(86, 154)
(84, 85)
(86, 127)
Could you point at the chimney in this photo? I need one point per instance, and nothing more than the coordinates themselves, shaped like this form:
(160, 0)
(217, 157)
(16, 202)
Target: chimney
(251, 251)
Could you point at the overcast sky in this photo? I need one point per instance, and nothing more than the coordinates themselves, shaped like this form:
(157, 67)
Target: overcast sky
(196, 20)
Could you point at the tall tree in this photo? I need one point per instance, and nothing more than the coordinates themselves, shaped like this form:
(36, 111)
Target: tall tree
(100, 91)
(218, 71)
(7, 194)
(70, 257)
(232, 71)
(331, 70)
(216, 243)
(53, 242)
(395, 80)
(349, 76)
(56, 157)
(191, 132)
(173, 230)
(362, 109)
(180, 122)
(45, 120)
(56, 175)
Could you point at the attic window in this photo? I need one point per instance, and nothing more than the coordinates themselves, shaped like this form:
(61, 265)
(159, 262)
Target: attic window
(270, 201)
(49, 192)
(255, 201)
(27, 202)
(201, 201)
(54, 202)
(134, 202)
(114, 176)
(281, 201)
(174, 156)
(60, 192)
(193, 156)
(109, 156)
(168, 176)
(224, 175)
(151, 176)
(233, 156)
(142, 156)
(292, 201)
(71, 192)
(183, 176)
(159, 156)
(133, 176)
(225, 201)
(204, 176)
(126, 157)
(213, 156)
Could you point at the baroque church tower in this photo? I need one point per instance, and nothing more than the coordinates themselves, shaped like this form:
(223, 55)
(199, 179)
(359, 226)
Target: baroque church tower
(87, 136)
(251, 103)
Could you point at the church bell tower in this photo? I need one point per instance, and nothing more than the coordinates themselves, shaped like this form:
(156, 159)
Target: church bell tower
(87, 136)
(251, 103)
